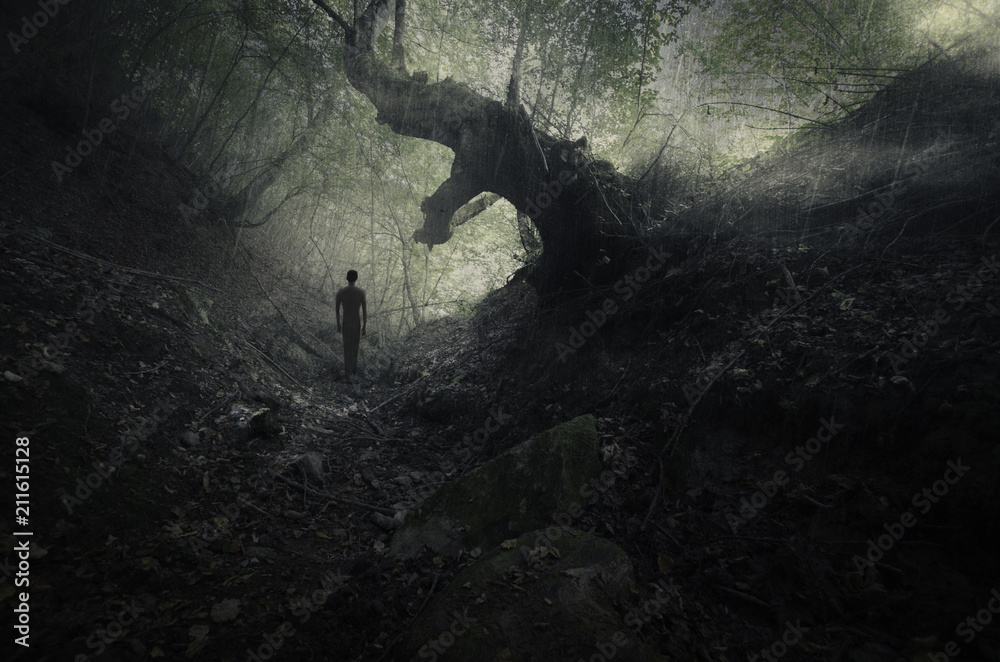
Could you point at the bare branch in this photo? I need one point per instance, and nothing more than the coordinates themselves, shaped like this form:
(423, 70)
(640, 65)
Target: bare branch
(348, 29)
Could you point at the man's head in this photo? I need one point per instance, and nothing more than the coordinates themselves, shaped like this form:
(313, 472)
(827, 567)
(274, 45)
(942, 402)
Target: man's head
(352, 276)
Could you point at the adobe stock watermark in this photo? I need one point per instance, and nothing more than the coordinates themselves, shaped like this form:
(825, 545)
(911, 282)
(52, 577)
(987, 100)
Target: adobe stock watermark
(452, 119)
(31, 26)
(625, 288)
(273, 641)
(438, 645)
(777, 650)
(474, 443)
(86, 486)
(930, 327)
(61, 342)
(606, 650)
(205, 194)
(563, 520)
(551, 191)
(868, 218)
(461, 622)
(923, 500)
(100, 638)
(796, 459)
(693, 394)
(636, 618)
(969, 628)
(92, 138)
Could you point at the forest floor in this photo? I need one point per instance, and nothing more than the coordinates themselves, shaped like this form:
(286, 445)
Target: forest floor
(769, 417)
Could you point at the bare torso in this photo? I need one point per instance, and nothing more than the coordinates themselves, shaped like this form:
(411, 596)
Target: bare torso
(352, 299)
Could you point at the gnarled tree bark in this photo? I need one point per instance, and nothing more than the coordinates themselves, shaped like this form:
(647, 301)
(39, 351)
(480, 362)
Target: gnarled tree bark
(579, 206)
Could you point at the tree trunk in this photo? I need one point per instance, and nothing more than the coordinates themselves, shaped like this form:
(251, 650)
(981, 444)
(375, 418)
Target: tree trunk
(575, 202)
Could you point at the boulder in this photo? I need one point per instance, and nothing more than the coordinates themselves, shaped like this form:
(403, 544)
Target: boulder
(549, 478)
(547, 597)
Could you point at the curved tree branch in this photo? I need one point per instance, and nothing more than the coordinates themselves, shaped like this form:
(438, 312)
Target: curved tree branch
(348, 30)
(554, 182)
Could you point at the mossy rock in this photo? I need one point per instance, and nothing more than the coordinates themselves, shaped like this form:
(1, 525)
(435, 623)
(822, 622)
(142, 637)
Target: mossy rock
(554, 595)
(523, 489)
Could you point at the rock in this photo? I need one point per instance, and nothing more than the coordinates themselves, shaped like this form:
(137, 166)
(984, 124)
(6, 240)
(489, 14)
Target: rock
(265, 398)
(11, 377)
(262, 424)
(385, 522)
(547, 478)
(577, 589)
(190, 438)
(260, 552)
(293, 515)
(310, 464)
(225, 611)
(405, 481)
(447, 404)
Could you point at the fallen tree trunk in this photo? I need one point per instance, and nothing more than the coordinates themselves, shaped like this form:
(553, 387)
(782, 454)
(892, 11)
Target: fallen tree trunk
(581, 207)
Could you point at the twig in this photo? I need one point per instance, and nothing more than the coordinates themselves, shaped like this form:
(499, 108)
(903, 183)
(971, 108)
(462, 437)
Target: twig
(743, 596)
(271, 361)
(671, 442)
(352, 502)
(791, 281)
(296, 336)
(388, 649)
(810, 297)
(219, 406)
(250, 505)
(142, 372)
(408, 389)
(137, 272)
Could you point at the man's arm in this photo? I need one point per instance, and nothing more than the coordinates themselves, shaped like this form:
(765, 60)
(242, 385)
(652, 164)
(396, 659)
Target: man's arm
(339, 302)
(364, 313)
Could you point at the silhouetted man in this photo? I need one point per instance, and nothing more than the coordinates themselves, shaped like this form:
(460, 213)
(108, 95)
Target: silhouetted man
(352, 298)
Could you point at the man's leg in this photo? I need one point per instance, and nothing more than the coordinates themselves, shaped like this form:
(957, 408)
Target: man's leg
(352, 340)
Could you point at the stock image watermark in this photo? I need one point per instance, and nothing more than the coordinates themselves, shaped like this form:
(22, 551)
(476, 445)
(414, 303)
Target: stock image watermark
(103, 637)
(969, 628)
(923, 500)
(563, 520)
(121, 108)
(868, 217)
(636, 618)
(86, 486)
(474, 443)
(22, 510)
(792, 636)
(461, 622)
(31, 26)
(22, 513)
(439, 644)
(452, 120)
(61, 342)
(205, 194)
(273, 641)
(930, 327)
(551, 191)
(796, 459)
(606, 650)
(625, 288)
